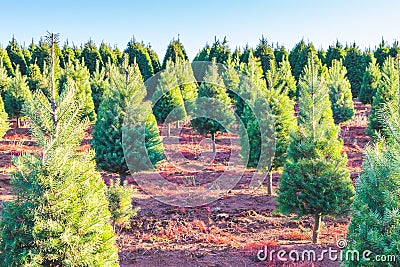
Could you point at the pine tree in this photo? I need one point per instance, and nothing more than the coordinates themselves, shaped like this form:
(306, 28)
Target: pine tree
(6, 62)
(5, 79)
(204, 54)
(107, 56)
(266, 55)
(355, 65)
(286, 79)
(231, 77)
(41, 56)
(294, 56)
(375, 214)
(168, 103)
(370, 82)
(78, 76)
(244, 58)
(282, 109)
(59, 216)
(220, 51)
(304, 54)
(315, 180)
(16, 56)
(98, 84)
(175, 52)
(381, 53)
(155, 62)
(334, 52)
(4, 83)
(387, 92)
(212, 99)
(68, 55)
(16, 95)
(115, 107)
(35, 78)
(91, 55)
(139, 55)
(187, 84)
(280, 53)
(340, 92)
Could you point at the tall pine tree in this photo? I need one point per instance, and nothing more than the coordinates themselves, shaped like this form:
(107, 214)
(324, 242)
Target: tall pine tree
(315, 180)
(370, 82)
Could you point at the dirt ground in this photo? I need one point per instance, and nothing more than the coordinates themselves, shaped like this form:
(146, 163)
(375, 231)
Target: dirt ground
(227, 232)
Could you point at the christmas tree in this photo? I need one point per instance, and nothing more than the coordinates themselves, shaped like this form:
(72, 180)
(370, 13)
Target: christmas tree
(315, 180)
(370, 82)
(340, 92)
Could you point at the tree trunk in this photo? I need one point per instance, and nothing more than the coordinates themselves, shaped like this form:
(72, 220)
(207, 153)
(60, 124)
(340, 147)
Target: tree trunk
(122, 177)
(177, 125)
(213, 141)
(168, 130)
(317, 227)
(17, 123)
(269, 183)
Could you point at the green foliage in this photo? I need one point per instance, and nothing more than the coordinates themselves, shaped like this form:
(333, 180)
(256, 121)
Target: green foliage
(375, 218)
(336, 52)
(381, 53)
(16, 56)
(41, 56)
(59, 216)
(294, 57)
(5, 79)
(244, 58)
(355, 64)
(286, 79)
(204, 54)
(107, 55)
(139, 55)
(36, 81)
(266, 55)
(4, 126)
(4, 58)
(116, 103)
(91, 55)
(16, 95)
(98, 84)
(213, 97)
(280, 53)
(315, 180)
(120, 203)
(220, 51)
(68, 55)
(175, 52)
(78, 76)
(168, 103)
(370, 82)
(387, 92)
(340, 92)
(187, 84)
(282, 108)
(155, 62)
(231, 77)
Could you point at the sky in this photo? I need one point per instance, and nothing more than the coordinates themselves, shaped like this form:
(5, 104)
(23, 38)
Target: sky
(198, 22)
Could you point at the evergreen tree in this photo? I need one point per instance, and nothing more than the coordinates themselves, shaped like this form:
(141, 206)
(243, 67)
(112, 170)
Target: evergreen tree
(340, 92)
(220, 51)
(16, 56)
(370, 82)
(4, 58)
(68, 55)
(155, 62)
(78, 76)
(107, 55)
(168, 103)
(266, 55)
(16, 96)
(175, 52)
(355, 65)
(187, 84)
(375, 214)
(115, 105)
(244, 58)
(280, 53)
(282, 109)
(35, 79)
(321, 55)
(315, 180)
(119, 55)
(212, 97)
(91, 55)
(204, 54)
(5, 79)
(394, 50)
(41, 56)
(286, 79)
(139, 55)
(236, 55)
(381, 53)
(334, 52)
(302, 59)
(294, 57)
(98, 84)
(59, 216)
(387, 92)
(231, 77)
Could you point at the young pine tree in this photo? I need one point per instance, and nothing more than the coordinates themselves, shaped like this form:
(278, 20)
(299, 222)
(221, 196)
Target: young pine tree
(16, 95)
(375, 218)
(387, 92)
(340, 92)
(370, 82)
(168, 103)
(212, 98)
(98, 84)
(187, 84)
(315, 180)
(59, 215)
(107, 135)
